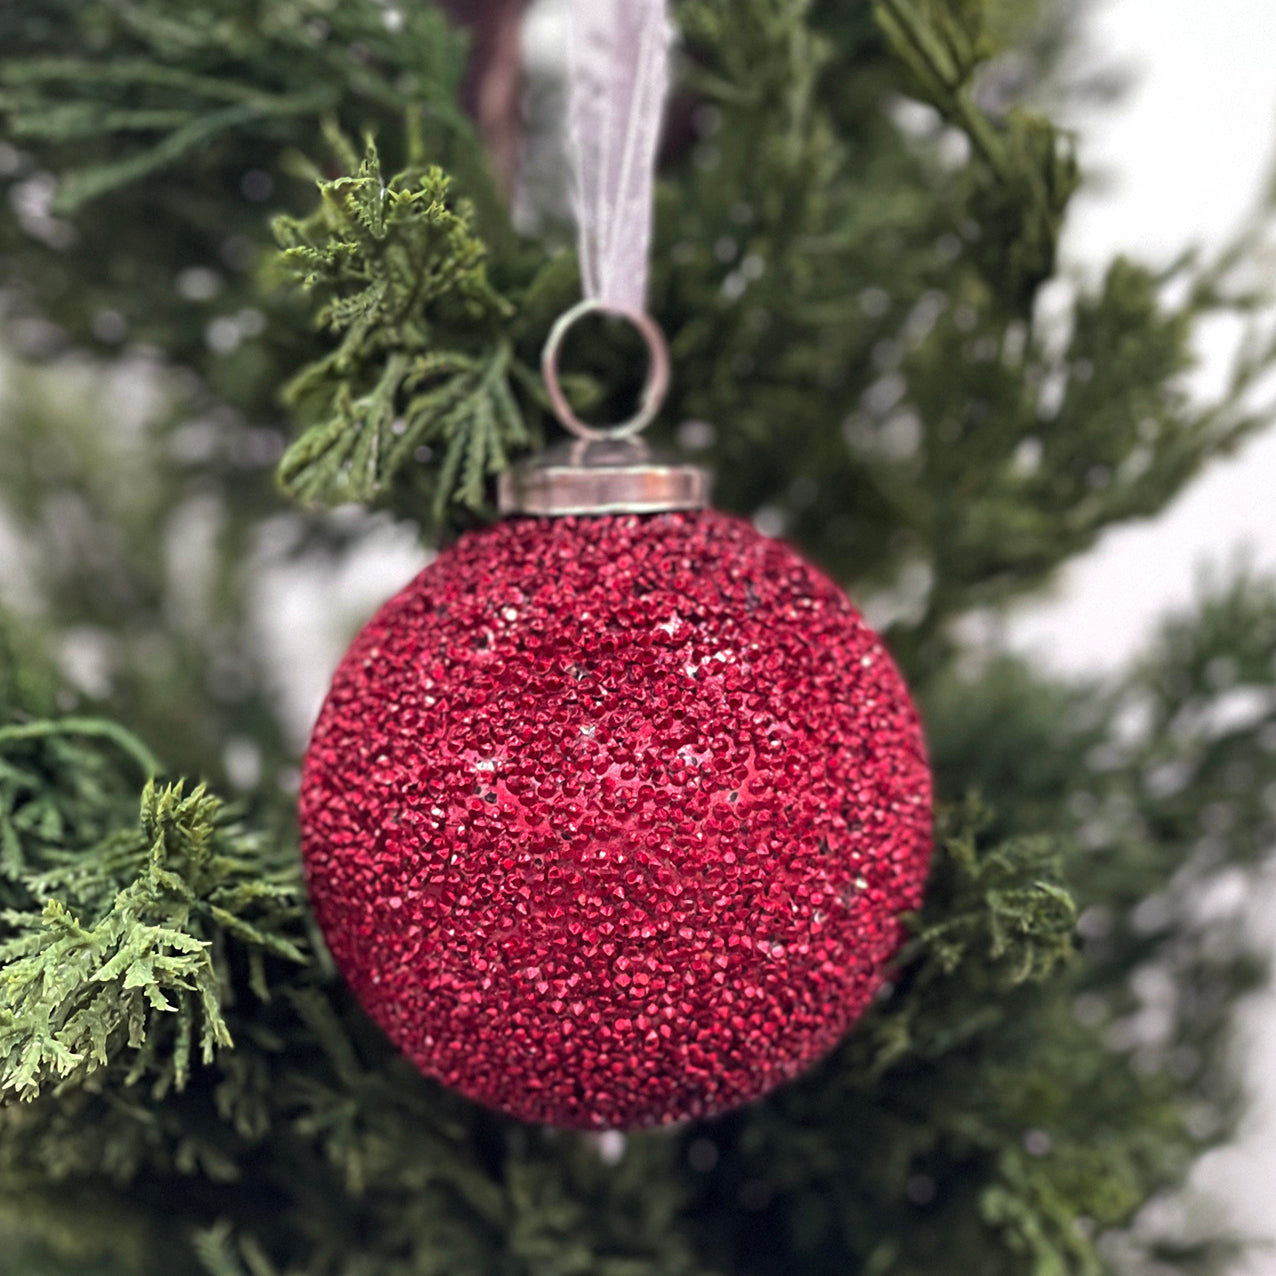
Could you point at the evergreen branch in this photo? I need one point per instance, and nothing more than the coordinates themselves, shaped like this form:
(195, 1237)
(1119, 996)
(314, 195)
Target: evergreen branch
(1007, 907)
(393, 266)
(80, 188)
(93, 972)
(132, 73)
(994, 920)
(90, 728)
(221, 1253)
(851, 306)
(180, 130)
(943, 52)
(190, 79)
(1027, 171)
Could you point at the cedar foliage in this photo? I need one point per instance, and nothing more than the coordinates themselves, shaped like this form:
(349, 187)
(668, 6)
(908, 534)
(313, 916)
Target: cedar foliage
(398, 267)
(852, 243)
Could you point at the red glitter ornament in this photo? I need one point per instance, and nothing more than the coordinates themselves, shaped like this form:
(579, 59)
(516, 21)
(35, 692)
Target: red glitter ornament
(609, 821)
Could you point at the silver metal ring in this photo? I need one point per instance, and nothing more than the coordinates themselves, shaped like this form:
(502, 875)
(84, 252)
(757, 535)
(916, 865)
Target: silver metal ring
(654, 391)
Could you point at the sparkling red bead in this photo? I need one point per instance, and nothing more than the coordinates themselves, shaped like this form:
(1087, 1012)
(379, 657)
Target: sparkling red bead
(609, 821)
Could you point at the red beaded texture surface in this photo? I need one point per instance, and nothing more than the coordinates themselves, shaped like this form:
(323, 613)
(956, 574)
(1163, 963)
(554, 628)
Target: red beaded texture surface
(609, 821)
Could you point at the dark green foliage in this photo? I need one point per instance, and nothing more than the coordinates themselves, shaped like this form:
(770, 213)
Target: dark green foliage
(855, 225)
(176, 125)
(159, 89)
(1024, 173)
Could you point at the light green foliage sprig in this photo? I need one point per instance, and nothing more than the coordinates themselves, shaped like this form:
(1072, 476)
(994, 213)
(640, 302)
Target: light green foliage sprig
(120, 948)
(400, 279)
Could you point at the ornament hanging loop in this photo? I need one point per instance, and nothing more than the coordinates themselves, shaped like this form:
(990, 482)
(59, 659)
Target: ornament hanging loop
(658, 370)
(618, 76)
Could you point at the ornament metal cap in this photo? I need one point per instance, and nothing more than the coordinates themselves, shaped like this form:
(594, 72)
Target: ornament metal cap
(605, 470)
(605, 476)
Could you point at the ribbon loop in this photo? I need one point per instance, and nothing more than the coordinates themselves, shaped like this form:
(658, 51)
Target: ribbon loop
(618, 78)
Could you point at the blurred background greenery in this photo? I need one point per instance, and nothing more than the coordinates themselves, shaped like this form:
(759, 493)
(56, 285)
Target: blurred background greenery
(879, 350)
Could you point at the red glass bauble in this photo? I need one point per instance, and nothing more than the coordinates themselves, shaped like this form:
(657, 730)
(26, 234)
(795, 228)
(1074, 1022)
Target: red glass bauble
(610, 821)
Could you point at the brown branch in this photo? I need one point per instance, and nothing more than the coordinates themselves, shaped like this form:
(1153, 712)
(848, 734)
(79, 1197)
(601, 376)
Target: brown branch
(493, 81)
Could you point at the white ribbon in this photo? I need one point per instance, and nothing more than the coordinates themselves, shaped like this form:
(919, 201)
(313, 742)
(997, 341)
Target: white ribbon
(618, 76)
